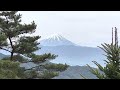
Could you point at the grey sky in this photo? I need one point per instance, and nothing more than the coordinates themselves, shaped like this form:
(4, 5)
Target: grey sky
(88, 28)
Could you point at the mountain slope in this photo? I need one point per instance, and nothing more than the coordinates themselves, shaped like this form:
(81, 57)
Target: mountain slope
(2, 55)
(73, 72)
(74, 55)
(70, 53)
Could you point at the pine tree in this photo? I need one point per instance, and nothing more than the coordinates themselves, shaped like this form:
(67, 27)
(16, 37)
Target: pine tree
(11, 70)
(11, 29)
(112, 68)
(15, 38)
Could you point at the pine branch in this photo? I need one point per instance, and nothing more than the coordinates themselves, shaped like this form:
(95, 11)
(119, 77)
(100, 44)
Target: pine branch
(5, 49)
(83, 76)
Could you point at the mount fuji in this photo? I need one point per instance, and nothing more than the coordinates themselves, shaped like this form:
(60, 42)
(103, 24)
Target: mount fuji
(56, 40)
(70, 53)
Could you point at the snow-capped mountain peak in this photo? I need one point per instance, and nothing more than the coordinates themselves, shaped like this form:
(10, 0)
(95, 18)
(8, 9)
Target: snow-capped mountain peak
(56, 37)
(55, 40)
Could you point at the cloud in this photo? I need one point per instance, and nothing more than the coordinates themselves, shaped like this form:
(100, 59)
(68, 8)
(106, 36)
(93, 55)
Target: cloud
(83, 27)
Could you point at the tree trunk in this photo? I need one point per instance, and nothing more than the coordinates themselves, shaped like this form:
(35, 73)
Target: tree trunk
(11, 57)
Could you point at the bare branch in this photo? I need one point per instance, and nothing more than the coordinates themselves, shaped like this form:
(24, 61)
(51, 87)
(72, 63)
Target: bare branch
(5, 49)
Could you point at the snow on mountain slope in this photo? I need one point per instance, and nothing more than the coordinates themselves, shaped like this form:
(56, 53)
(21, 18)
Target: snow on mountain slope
(55, 40)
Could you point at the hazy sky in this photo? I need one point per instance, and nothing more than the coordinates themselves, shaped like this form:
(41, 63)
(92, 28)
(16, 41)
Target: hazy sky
(88, 28)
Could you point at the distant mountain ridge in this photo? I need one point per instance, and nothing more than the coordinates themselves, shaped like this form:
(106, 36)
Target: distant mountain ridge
(70, 53)
(74, 55)
(75, 72)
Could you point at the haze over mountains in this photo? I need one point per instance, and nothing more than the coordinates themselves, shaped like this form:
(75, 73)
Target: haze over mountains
(75, 72)
(70, 53)
(2, 55)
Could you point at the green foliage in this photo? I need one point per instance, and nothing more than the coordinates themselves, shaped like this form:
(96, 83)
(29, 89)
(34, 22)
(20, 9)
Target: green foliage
(42, 58)
(10, 70)
(97, 73)
(56, 67)
(11, 29)
(14, 39)
(48, 74)
(3, 40)
(31, 74)
(17, 57)
(112, 68)
(29, 42)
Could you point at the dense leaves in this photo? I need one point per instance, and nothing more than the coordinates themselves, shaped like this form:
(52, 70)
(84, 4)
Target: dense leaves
(12, 29)
(43, 58)
(18, 58)
(10, 70)
(3, 40)
(56, 67)
(29, 42)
